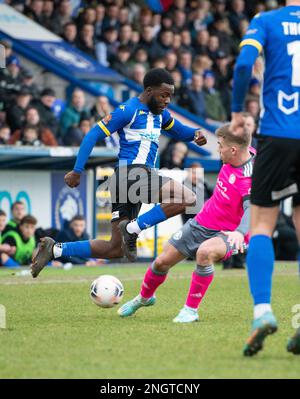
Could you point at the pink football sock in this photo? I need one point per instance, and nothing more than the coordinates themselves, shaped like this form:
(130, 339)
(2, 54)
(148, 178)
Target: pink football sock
(198, 288)
(151, 282)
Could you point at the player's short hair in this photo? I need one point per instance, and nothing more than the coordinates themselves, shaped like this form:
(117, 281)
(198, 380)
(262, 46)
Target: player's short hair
(156, 77)
(78, 218)
(2, 213)
(242, 139)
(28, 219)
(15, 204)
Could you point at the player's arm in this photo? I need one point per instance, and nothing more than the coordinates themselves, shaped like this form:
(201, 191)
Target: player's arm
(182, 132)
(251, 46)
(236, 238)
(104, 128)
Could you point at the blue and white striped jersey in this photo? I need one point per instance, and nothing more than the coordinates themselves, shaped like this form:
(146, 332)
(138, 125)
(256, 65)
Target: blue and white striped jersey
(139, 131)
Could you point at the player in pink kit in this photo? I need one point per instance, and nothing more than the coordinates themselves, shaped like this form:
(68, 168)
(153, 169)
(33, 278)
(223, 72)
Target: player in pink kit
(220, 228)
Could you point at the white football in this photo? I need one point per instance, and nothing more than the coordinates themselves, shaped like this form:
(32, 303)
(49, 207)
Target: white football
(106, 291)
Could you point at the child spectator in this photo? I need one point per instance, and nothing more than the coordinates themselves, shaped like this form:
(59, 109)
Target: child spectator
(4, 248)
(75, 232)
(18, 212)
(23, 239)
(4, 134)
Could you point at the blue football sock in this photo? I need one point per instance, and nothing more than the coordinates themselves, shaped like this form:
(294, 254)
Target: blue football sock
(260, 265)
(151, 218)
(11, 263)
(77, 248)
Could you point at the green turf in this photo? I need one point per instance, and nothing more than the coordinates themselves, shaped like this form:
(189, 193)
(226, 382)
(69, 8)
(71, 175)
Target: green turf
(55, 331)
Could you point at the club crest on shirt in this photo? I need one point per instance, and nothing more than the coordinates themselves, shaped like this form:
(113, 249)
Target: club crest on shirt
(232, 178)
(106, 119)
(177, 235)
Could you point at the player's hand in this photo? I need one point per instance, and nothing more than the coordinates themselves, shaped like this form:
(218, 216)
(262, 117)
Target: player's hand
(199, 138)
(7, 249)
(72, 179)
(237, 122)
(235, 239)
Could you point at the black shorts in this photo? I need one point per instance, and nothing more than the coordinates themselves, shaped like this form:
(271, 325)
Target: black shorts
(276, 172)
(131, 186)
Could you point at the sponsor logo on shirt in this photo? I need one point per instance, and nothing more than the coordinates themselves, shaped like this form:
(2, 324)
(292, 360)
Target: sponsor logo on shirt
(232, 178)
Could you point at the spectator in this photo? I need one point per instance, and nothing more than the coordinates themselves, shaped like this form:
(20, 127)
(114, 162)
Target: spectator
(70, 33)
(111, 17)
(10, 79)
(140, 56)
(48, 19)
(16, 113)
(7, 44)
(174, 155)
(75, 232)
(124, 16)
(251, 126)
(179, 21)
(34, 11)
(201, 42)
(85, 41)
(252, 106)
(195, 181)
(100, 13)
(120, 61)
(165, 43)
(27, 81)
(171, 61)
(195, 94)
(74, 111)
(75, 135)
(221, 29)
(186, 41)
(87, 17)
(223, 74)
(18, 212)
(29, 135)
(32, 120)
(237, 14)
(4, 248)
(125, 36)
(180, 95)
(23, 240)
(44, 107)
(138, 74)
(63, 14)
(148, 42)
(213, 47)
(107, 49)
(176, 43)
(185, 67)
(101, 108)
(5, 133)
(213, 104)
(255, 88)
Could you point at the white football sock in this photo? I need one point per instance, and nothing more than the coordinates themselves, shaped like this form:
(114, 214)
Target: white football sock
(261, 309)
(133, 227)
(57, 250)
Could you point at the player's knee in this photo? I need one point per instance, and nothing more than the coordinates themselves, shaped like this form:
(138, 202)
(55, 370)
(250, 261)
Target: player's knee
(162, 264)
(204, 256)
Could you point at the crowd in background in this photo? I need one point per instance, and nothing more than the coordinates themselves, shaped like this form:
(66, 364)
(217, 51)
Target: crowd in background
(196, 41)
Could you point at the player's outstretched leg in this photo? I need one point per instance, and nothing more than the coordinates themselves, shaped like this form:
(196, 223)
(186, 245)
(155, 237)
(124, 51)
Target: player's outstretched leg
(42, 255)
(294, 343)
(261, 328)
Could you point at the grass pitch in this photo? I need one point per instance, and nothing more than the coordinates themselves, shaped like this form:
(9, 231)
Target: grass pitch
(55, 331)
